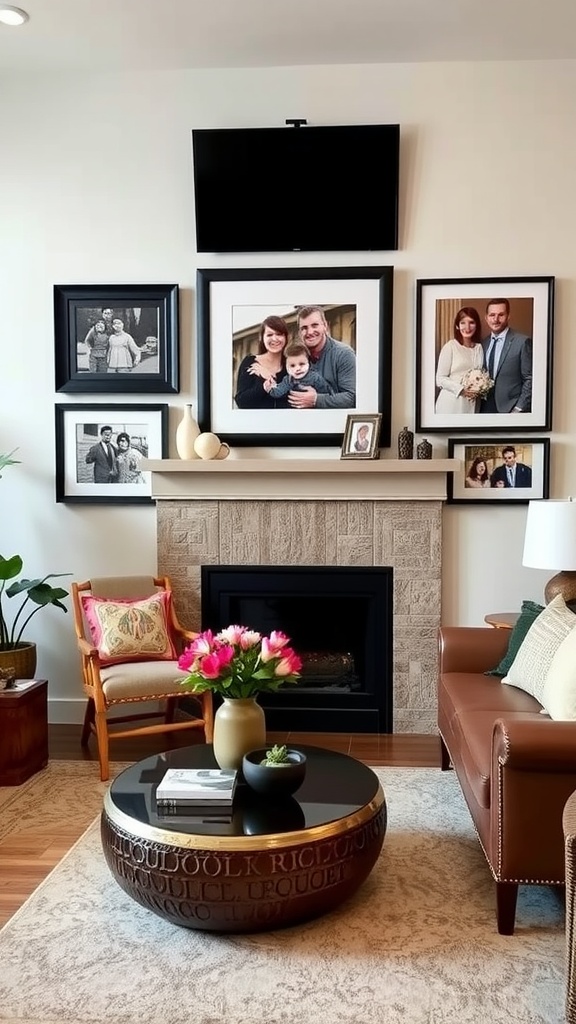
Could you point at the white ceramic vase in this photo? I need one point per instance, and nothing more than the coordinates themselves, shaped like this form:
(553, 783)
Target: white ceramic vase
(239, 726)
(186, 433)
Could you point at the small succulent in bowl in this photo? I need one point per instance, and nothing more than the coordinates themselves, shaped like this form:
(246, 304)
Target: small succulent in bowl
(277, 757)
(260, 770)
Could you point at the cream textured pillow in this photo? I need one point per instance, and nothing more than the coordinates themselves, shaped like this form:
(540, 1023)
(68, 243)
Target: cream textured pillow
(130, 630)
(531, 665)
(559, 694)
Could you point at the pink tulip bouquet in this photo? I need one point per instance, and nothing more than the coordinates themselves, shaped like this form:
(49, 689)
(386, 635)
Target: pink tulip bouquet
(239, 662)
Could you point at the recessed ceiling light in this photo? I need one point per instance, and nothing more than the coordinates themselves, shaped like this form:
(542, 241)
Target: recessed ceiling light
(12, 15)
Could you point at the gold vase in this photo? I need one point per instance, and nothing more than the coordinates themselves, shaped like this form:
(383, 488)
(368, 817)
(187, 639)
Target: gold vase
(239, 726)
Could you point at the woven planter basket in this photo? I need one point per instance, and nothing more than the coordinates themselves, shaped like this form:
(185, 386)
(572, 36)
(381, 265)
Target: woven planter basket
(22, 659)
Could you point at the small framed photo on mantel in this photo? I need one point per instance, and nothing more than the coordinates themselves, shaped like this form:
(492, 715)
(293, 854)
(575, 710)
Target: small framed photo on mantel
(361, 437)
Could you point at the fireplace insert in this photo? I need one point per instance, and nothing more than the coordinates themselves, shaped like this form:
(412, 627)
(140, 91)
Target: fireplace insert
(339, 619)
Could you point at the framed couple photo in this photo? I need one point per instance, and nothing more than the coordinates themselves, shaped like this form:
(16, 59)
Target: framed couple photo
(100, 450)
(496, 471)
(484, 350)
(284, 356)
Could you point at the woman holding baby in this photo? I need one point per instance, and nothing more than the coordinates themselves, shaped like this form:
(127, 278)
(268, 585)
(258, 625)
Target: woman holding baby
(459, 355)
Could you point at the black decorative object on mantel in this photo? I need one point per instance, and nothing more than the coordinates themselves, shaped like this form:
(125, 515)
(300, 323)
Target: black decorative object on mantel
(405, 444)
(424, 450)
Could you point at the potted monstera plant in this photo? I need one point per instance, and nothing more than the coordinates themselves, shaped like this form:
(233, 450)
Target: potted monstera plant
(16, 652)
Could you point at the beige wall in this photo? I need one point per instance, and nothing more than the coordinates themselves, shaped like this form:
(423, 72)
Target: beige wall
(97, 188)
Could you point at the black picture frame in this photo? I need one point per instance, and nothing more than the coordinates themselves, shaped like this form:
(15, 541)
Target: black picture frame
(231, 306)
(78, 428)
(524, 375)
(149, 313)
(532, 453)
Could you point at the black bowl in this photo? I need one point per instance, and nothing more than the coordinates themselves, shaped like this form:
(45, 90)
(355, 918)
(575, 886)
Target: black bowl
(274, 780)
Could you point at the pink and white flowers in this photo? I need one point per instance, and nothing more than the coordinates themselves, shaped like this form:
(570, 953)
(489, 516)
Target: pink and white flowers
(239, 662)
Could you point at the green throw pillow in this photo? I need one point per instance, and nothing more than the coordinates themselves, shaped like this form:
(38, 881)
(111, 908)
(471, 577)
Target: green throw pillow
(529, 611)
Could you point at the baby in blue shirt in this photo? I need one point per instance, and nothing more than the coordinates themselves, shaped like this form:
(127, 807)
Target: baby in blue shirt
(299, 374)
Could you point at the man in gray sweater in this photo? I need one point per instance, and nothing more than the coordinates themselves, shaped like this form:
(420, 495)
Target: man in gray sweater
(334, 360)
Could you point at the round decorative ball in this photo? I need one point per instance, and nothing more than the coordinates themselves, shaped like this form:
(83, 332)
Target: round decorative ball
(274, 780)
(207, 446)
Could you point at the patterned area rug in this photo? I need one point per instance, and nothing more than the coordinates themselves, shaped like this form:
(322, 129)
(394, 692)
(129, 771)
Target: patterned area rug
(417, 944)
(55, 797)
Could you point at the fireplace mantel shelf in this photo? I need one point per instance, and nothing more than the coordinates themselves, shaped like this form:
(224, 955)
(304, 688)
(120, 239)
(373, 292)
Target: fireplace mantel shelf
(300, 479)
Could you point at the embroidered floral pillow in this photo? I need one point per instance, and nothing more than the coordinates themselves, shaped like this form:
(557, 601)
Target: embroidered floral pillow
(130, 630)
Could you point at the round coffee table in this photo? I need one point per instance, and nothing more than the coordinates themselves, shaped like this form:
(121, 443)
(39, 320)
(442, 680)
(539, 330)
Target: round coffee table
(271, 864)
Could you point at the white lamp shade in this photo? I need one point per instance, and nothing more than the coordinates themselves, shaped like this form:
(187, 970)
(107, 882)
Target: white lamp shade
(550, 540)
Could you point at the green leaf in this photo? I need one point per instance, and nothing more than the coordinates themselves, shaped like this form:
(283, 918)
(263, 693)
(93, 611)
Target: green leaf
(10, 567)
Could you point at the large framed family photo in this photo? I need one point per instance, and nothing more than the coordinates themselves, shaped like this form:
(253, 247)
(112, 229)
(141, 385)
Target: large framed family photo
(112, 339)
(100, 448)
(285, 355)
(484, 349)
(496, 471)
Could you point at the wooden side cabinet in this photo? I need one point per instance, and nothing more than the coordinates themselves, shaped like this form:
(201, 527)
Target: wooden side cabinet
(23, 732)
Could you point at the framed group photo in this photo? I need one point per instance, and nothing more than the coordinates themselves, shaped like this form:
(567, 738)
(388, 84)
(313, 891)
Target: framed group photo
(504, 470)
(100, 449)
(285, 355)
(116, 339)
(484, 349)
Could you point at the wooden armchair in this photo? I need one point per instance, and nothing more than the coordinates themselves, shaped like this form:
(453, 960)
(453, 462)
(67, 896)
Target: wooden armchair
(146, 674)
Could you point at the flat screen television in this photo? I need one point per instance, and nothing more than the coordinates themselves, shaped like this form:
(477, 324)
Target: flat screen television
(321, 189)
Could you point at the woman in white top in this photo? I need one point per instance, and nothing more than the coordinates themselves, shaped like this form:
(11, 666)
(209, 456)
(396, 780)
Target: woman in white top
(462, 353)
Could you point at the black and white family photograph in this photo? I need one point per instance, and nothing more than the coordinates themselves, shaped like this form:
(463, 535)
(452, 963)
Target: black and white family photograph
(510, 469)
(285, 355)
(116, 338)
(484, 354)
(100, 451)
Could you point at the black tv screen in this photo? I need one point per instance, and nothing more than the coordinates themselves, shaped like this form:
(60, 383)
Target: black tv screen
(324, 189)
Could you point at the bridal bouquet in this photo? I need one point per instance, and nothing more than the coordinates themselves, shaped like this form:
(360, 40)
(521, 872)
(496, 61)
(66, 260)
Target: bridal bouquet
(478, 381)
(239, 662)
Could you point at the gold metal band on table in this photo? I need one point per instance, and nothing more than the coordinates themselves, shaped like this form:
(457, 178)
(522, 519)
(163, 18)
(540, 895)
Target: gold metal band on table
(230, 844)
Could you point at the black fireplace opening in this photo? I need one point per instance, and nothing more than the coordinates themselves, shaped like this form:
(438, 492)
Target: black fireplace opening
(339, 620)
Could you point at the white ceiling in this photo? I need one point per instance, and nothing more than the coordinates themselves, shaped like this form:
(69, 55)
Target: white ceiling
(96, 35)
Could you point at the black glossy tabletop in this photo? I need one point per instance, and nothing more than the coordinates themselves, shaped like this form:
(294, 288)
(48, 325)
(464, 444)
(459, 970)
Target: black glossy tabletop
(335, 786)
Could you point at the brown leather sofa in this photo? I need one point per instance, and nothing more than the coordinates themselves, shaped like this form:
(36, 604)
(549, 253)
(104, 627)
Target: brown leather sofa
(516, 766)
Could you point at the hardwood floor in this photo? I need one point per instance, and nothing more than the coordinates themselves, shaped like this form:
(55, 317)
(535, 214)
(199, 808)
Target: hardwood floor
(408, 750)
(26, 860)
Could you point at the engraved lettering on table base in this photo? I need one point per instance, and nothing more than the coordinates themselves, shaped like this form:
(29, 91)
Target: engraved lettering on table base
(235, 891)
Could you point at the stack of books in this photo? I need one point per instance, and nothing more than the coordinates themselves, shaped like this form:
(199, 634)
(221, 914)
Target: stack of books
(202, 793)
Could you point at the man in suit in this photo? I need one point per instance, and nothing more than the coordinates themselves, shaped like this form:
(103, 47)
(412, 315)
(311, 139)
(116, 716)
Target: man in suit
(512, 473)
(104, 457)
(508, 360)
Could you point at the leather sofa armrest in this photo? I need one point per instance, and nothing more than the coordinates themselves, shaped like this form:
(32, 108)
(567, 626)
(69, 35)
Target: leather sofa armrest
(528, 745)
(471, 648)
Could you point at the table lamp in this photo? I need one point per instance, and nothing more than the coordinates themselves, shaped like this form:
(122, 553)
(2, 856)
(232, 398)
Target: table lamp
(550, 543)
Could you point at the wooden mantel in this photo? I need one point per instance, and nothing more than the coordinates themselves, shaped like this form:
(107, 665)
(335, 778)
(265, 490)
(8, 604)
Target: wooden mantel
(310, 479)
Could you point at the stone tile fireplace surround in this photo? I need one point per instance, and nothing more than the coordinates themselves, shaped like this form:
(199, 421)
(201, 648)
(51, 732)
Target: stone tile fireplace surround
(381, 518)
